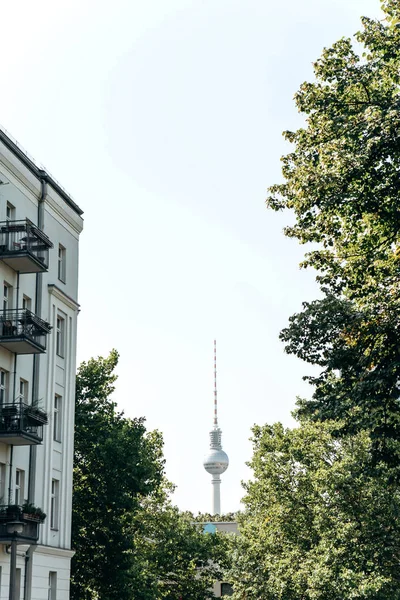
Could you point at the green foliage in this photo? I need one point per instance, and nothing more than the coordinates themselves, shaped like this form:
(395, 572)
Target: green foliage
(178, 559)
(130, 542)
(341, 180)
(342, 183)
(319, 523)
(30, 509)
(323, 507)
(359, 353)
(209, 518)
(116, 462)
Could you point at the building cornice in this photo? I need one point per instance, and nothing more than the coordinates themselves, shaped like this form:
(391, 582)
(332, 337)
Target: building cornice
(53, 551)
(41, 174)
(63, 297)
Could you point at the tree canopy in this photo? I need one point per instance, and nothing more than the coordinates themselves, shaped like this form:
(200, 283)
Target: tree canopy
(342, 182)
(318, 523)
(341, 179)
(179, 559)
(322, 510)
(131, 543)
(116, 462)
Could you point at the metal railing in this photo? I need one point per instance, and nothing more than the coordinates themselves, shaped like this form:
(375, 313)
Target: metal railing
(19, 418)
(23, 324)
(23, 237)
(11, 515)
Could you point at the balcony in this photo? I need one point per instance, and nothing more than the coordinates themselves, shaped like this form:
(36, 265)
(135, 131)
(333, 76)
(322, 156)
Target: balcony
(29, 524)
(21, 424)
(23, 332)
(24, 247)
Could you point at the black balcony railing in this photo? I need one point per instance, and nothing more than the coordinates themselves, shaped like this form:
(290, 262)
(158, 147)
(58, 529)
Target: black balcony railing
(24, 247)
(12, 515)
(23, 332)
(21, 424)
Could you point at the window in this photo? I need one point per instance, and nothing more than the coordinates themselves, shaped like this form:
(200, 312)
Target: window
(26, 302)
(3, 483)
(3, 386)
(57, 418)
(10, 212)
(19, 486)
(23, 390)
(7, 296)
(61, 263)
(60, 331)
(52, 585)
(226, 589)
(55, 488)
(17, 583)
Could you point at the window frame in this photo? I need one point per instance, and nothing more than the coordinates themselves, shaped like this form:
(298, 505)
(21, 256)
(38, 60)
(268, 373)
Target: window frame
(23, 390)
(3, 488)
(226, 587)
(54, 503)
(19, 486)
(3, 387)
(18, 577)
(62, 263)
(26, 302)
(10, 216)
(60, 336)
(57, 418)
(52, 593)
(7, 296)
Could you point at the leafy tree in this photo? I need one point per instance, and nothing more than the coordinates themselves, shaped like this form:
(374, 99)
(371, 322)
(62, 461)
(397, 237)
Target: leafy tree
(322, 512)
(209, 518)
(318, 523)
(178, 559)
(342, 182)
(130, 542)
(116, 463)
(359, 354)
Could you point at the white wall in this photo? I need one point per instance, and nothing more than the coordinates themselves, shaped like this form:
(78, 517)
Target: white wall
(56, 374)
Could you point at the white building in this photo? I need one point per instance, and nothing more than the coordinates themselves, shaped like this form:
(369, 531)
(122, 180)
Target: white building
(39, 233)
(221, 589)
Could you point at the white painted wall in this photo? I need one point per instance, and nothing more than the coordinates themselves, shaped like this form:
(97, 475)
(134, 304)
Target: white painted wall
(62, 224)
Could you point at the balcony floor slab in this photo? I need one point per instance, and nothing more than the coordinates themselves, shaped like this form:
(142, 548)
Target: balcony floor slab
(21, 345)
(24, 262)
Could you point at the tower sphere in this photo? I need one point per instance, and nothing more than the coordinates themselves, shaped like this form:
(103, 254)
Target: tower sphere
(216, 462)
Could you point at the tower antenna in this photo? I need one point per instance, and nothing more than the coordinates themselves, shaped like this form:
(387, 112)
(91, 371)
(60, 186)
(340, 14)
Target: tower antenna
(215, 386)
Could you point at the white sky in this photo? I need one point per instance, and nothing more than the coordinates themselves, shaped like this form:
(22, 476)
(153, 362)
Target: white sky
(163, 118)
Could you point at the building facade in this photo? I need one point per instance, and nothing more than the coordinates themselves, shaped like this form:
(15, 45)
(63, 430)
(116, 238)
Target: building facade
(223, 589)
(39, 234)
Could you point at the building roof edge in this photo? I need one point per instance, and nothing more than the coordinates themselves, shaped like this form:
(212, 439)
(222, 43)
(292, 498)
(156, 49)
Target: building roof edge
(37, 171)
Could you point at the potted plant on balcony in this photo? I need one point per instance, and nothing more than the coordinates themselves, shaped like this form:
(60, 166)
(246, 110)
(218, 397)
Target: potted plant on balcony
(10, 512)
(35, 414)
(30, 512)
(9, 410)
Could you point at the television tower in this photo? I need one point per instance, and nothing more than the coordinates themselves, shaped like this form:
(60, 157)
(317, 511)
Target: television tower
(216, 461)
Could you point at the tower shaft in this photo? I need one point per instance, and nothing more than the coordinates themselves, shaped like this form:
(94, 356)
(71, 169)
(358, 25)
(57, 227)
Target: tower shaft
(216, 494)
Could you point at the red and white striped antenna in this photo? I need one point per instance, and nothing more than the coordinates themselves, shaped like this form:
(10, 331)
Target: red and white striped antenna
(216, 460)
(215, 386)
